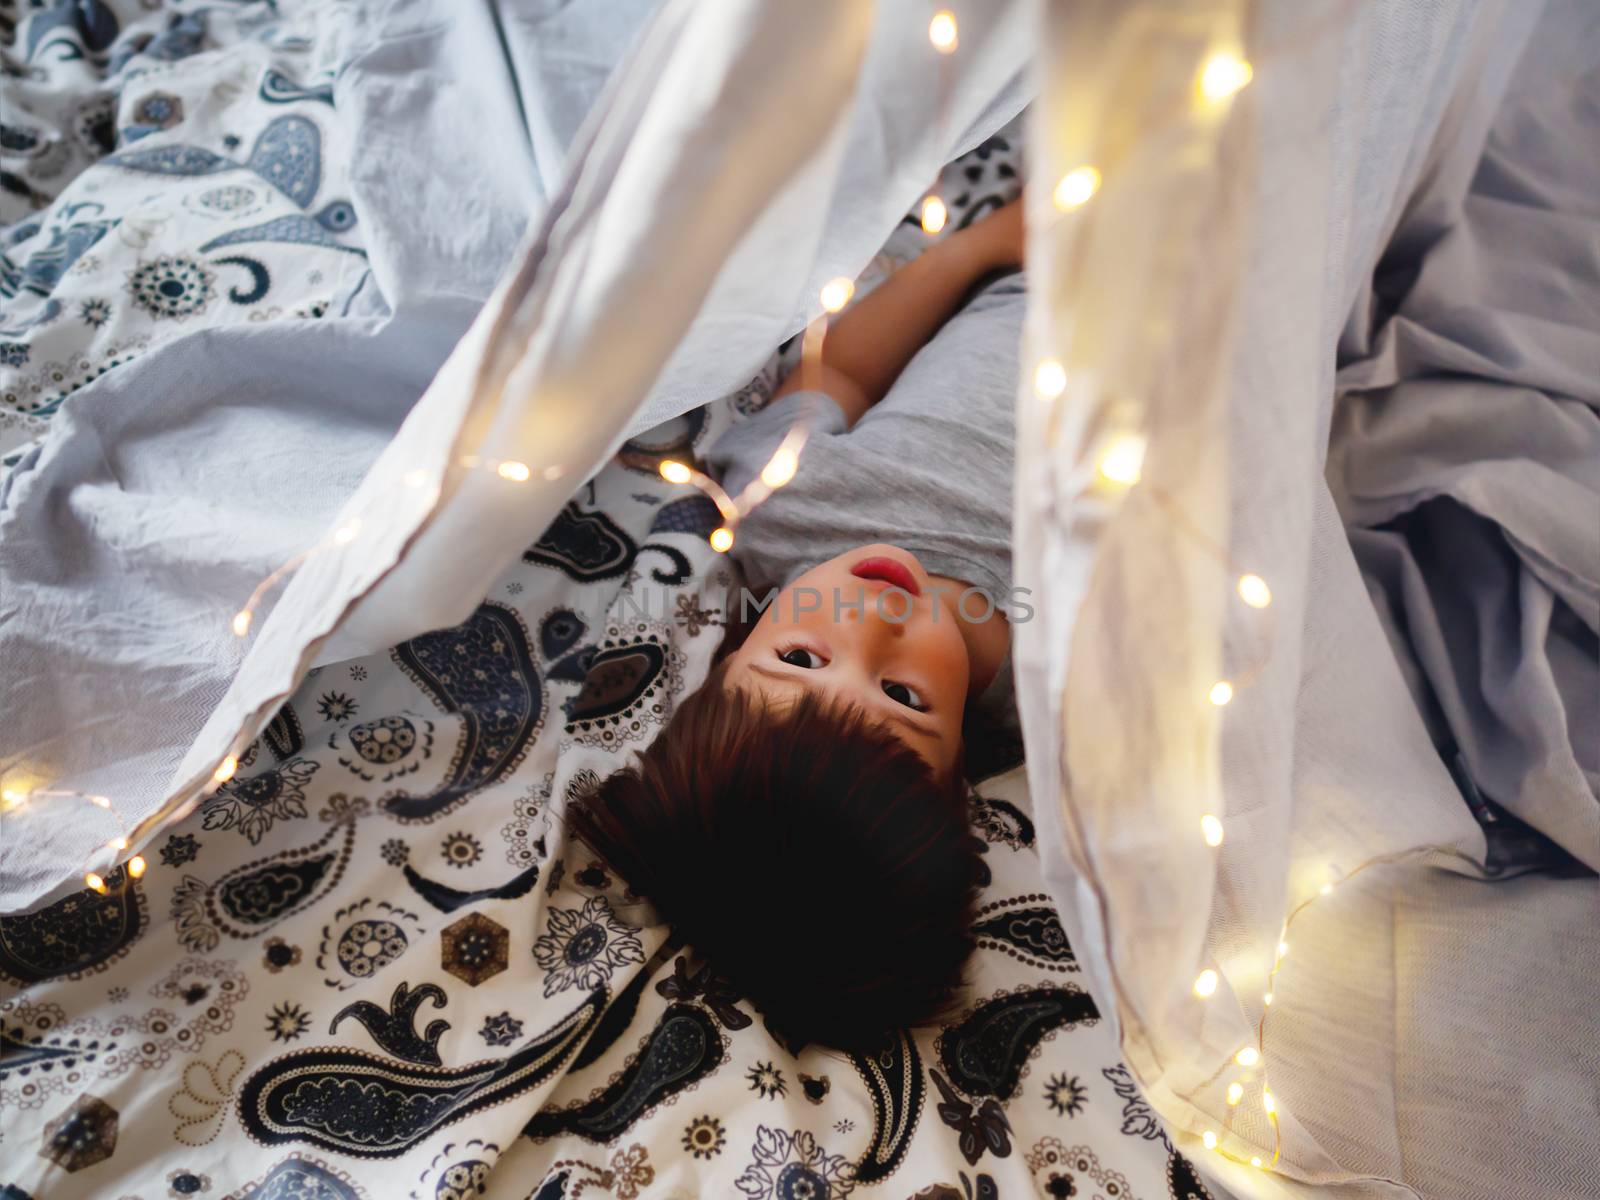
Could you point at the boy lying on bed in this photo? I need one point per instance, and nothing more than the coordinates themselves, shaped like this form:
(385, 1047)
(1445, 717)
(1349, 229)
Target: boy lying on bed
(802, 819)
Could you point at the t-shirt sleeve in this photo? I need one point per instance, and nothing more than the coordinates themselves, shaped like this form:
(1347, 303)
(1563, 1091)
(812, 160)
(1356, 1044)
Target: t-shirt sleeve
(739, 454)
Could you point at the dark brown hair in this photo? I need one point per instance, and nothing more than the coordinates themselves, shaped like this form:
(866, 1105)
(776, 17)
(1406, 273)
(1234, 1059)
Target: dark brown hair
(814, 860)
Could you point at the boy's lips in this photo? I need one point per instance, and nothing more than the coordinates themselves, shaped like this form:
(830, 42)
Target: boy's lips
(887, 570)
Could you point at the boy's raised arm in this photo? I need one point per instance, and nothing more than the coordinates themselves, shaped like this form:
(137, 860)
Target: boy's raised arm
(868, 346)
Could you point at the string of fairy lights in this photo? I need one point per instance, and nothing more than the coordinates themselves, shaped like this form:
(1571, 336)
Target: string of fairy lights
(1118, 464)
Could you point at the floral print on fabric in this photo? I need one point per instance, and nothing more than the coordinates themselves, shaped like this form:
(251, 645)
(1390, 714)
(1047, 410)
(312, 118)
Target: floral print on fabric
(705, 1137)
(792, 1166)
(287, 1021)
(252, 805)
(584, 947)
(172, 287)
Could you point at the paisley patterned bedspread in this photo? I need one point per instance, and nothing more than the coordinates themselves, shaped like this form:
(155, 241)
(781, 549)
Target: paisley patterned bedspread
(371, 965)
(163, 167)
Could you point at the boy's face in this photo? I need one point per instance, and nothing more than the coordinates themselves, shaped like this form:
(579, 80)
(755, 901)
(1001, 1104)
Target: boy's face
(866, 629)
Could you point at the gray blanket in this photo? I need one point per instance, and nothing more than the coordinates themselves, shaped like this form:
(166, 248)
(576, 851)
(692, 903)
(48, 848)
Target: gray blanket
(1465, 454)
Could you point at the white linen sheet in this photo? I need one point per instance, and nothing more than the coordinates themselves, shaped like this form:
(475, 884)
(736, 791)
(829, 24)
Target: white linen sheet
(1424, 1037)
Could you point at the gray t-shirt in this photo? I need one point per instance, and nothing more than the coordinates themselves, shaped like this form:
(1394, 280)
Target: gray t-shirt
(927, 468)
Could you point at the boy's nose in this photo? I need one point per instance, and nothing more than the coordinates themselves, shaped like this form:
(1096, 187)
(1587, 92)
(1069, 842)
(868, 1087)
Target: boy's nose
(888, 622)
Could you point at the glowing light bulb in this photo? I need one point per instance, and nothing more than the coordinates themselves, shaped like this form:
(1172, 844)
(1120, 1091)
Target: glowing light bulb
(1253, 590)
(721, 539)
(1235, 1093)
(137, 865)
(942, 31)
(836, 293)
(1248, 1057)
(117, 844)
(225, 769)
(1255, 1160)
(1223, 75)
(1268, 1103)
(95, 883)
(1049, 378)
(1221, 692)
(415, 477)
(241, 622)
(780, 469)
(1075, 188)
(1209, 1140)
(1205, 983)
(516, 472)
(934, 215)
(1123, 459)
(1211, 829)
(675, 472)
(1267, 1000)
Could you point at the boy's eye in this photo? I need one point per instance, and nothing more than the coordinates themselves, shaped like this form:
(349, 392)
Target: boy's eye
(801, 657)
(901, 694)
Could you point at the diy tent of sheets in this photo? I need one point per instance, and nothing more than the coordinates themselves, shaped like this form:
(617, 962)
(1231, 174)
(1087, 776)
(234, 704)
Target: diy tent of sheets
(1431, 1033)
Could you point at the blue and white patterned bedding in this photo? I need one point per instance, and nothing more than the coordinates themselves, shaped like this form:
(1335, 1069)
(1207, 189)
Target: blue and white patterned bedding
(371, 965)
(166, 168)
